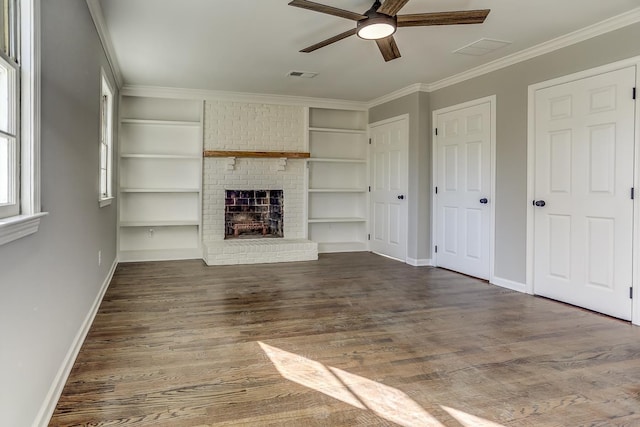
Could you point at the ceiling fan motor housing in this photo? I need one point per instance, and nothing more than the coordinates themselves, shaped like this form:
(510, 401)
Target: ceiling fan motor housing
(378, 19)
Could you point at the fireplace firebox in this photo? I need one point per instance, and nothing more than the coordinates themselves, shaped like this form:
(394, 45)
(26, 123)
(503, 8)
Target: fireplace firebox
(252, 214)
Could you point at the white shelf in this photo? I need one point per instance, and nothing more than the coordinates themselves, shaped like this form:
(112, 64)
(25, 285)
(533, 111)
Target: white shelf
(337, 120)
(161, 156)
(178, 237)
(337, 190)
(159, 254)
(160, 138)
(335, 220)
(335, 160)
(337, 175)
(159, 122)
(160, 190)
(329, 247)
(143, 207)
(334, 145)
(160, 173)
(157, 223)
(337, 205)
(337, 130)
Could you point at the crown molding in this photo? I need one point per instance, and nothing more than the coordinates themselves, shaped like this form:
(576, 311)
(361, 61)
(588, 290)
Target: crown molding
(603, 27)
(257, 98)
(417, 87)
(98, 20)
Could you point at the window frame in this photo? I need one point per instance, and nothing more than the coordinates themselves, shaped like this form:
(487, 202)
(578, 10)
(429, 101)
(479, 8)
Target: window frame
(105, 166)
(28, 220)
(10, 62)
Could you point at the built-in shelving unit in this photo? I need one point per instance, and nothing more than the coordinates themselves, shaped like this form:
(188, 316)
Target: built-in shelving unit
(338, 180)
(160, 179)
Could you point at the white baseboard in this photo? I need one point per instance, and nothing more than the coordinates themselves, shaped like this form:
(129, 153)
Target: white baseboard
(420, 262)
(159, 255)
(509, 284)
(51, 400)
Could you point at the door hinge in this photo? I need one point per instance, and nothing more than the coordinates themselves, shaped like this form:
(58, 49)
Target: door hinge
(633, 193)
(436, 190)
(369, 189)
(436, 131)
(368, 236)
(631, 293)
(436, 248)
(369, 141)
(634, 93)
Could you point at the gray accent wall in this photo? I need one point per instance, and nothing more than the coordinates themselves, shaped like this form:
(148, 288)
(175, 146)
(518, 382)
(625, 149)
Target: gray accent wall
(510, 85)
(416, 105)
(50, 280)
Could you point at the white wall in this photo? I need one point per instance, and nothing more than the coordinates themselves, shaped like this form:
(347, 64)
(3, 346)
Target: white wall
(50, 280)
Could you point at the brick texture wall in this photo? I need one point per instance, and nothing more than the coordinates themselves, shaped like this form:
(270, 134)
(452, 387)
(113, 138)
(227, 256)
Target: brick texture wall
(253, 127)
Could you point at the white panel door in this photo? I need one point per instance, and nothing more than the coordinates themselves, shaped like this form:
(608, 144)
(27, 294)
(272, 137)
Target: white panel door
(463, 181)
(584, 150)
(389, 181)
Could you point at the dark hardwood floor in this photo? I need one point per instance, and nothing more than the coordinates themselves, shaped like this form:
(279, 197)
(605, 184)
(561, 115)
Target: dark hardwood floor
(349, 340)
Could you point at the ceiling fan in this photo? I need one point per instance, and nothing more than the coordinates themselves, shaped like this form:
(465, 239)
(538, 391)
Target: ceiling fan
(380, 22)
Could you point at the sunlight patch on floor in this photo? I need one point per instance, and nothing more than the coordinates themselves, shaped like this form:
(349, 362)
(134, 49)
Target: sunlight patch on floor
(386, 402)
(310, 374)
(468, 420)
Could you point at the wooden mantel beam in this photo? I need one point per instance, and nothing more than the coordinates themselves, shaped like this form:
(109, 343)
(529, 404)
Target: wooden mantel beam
(258, 154)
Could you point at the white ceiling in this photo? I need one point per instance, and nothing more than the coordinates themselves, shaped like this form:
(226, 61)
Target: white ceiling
(250, 45)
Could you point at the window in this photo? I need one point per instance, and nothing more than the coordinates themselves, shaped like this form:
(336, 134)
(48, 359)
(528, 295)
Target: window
(20, 210)
(9, 108)
(106, 142)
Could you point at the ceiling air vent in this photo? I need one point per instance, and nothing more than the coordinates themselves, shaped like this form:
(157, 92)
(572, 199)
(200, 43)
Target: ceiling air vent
(481, 47)
(302, 74)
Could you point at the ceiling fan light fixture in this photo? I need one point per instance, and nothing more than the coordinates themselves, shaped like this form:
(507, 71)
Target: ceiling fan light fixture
(376, 27)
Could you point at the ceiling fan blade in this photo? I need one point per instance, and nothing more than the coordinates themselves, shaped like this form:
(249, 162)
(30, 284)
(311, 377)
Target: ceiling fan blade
(391, 7)
(443, 18)
(317, 7)
(329, 41)
(388, 48)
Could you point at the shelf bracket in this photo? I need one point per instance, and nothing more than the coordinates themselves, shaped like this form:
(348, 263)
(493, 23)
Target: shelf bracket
(231, 163)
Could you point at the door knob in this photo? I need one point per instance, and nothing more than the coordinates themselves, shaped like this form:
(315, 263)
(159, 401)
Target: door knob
(539, 203)
(484, 201)
(401, 197)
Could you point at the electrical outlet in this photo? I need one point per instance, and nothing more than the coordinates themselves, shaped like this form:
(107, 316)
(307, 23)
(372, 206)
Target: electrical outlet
(99, 258)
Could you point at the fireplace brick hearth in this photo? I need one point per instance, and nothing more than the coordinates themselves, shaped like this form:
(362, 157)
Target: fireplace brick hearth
(232, 252)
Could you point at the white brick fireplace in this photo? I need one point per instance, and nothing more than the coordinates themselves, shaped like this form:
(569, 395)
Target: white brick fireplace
(242, 126)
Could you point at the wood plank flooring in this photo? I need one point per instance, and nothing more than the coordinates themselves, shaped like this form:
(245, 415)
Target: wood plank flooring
(349, 340)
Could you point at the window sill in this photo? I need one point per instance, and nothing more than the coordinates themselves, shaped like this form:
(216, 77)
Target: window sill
(16, 227)
(105, 202)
